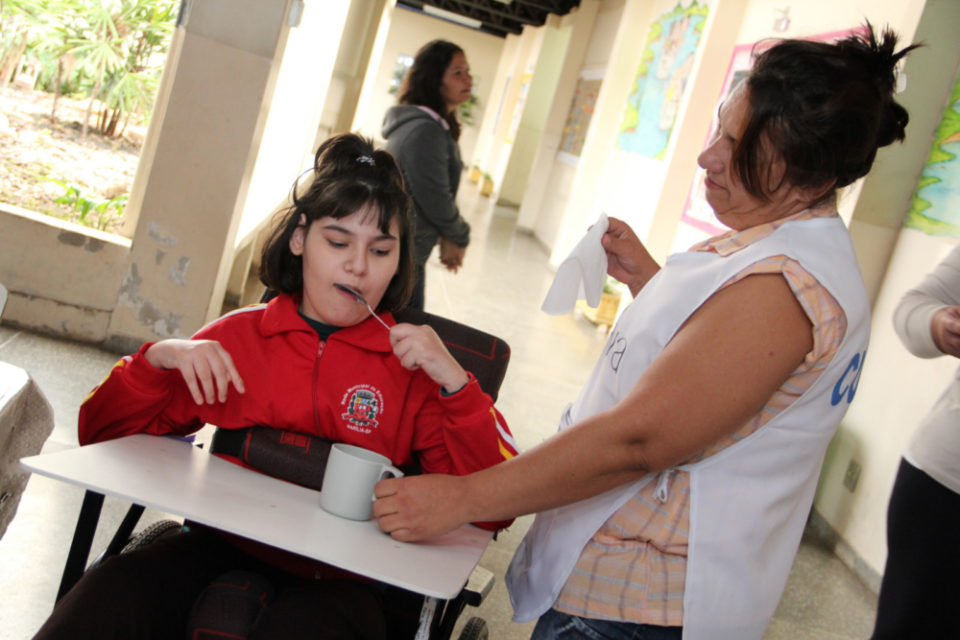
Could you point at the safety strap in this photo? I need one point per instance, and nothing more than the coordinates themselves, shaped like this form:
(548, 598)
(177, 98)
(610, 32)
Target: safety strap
(296, 457)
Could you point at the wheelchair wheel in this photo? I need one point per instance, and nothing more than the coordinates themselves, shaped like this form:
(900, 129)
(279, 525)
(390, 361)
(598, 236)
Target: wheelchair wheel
(475, 629)
(151, 533)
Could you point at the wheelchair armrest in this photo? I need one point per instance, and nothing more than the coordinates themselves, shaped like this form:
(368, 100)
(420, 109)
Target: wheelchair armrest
(478, 586)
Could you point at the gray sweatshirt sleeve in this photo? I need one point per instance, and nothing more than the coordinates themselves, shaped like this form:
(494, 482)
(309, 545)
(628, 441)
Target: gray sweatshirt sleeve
(911, 319)
(427, 172)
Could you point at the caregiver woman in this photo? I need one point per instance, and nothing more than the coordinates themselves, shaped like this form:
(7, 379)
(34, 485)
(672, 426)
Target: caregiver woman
(673, 499)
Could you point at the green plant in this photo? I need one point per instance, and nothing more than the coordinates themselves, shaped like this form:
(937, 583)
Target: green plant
(466, 109)
(52, 33)
(146, 27)
(106, 211)
(109, 49)
(613, 286)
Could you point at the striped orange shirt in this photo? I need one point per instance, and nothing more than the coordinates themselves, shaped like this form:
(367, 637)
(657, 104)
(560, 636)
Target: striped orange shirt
(634, 567)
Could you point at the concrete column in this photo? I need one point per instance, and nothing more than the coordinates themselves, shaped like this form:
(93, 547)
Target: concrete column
(581, 208)
(540, 98)
(192, 181)
(580, 22)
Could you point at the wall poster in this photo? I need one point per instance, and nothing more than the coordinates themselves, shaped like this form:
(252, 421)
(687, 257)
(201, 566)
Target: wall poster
(578, 117)
(665, 67)
(935, 207)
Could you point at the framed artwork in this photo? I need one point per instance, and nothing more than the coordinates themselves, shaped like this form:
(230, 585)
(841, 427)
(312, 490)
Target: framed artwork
(579, 115)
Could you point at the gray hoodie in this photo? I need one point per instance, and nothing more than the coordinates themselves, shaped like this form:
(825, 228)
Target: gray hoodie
(430, 161)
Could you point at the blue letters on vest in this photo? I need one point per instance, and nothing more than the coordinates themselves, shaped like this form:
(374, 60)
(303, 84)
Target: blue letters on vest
(845, 386)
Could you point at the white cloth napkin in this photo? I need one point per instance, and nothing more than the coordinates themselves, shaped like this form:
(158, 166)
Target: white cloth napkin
(581, 275)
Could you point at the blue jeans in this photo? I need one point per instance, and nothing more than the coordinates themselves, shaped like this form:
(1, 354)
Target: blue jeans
(554, 625)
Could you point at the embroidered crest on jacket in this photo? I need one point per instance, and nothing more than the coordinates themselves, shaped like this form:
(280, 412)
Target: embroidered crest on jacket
(362, 404)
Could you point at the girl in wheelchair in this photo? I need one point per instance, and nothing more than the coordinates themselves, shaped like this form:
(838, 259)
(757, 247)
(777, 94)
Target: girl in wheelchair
(302, 363)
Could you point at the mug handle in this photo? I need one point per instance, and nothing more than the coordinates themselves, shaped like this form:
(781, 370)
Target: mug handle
(387, 471)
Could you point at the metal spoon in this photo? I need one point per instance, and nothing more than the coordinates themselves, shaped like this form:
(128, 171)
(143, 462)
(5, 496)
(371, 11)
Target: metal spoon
(359, 298)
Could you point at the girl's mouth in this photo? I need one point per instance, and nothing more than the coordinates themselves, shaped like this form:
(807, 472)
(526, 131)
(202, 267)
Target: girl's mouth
(352, 292)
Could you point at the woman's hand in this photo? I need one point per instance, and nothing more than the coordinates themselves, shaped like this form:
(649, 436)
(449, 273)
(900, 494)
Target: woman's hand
(627, 259)
(945, 330)
(205, 365)
(419, 507)
(419, 347)
(451, 254)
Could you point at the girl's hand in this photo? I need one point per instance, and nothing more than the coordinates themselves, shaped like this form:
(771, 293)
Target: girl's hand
(205, 365)
(419, 347)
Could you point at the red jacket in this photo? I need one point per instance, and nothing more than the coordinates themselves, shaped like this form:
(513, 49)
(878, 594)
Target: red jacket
(352, 389)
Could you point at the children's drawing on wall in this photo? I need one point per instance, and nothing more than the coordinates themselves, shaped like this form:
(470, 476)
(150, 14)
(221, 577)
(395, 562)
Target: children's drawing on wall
(935, 208)
(662, 76)
(579, 115)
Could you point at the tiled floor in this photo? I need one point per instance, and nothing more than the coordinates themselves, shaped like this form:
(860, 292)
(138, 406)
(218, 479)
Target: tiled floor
(499, 290)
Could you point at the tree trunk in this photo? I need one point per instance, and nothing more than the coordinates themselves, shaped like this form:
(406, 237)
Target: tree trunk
(86, 118)
(65, 64)
(11, 63)
(114, 121)
(108, 122)
(56, 90)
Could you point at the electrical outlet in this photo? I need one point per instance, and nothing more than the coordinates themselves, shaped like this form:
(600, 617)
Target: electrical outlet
(852, 475)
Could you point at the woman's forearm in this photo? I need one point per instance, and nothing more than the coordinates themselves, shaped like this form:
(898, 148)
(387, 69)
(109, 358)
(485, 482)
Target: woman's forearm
(578, 463)
(755, 328)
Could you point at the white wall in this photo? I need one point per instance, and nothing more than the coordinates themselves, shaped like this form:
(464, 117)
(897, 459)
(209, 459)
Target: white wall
(621, 29)
(284, 150)
(407, 32)
(580, 26)
(547, 218)
(896, 389)
(543, 91)
(498, 108)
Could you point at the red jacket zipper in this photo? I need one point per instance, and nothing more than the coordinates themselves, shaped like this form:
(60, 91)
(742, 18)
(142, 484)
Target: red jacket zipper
(316, 388)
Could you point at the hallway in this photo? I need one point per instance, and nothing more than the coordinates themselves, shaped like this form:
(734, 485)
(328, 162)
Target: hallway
(499, 290)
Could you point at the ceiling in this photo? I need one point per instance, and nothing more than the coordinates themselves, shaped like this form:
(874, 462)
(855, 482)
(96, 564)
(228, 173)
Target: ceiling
(497, 17)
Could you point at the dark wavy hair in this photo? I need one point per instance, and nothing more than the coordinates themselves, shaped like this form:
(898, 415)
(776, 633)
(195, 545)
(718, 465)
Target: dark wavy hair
(421, 86)
(825, 108)
(348, 173)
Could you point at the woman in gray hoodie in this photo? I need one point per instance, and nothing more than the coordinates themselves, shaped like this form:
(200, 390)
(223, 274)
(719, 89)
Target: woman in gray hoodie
(421, 133)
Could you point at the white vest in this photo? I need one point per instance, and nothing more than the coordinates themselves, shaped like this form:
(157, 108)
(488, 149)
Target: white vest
(748, 502)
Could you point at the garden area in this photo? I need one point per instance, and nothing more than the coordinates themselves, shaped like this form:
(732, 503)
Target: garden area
(78, 79)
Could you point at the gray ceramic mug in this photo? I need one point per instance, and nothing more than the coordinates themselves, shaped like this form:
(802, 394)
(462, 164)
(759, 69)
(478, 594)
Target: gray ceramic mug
(349, 479)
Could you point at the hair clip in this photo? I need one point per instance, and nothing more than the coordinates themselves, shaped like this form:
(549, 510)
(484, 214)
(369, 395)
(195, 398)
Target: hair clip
(365, 160)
